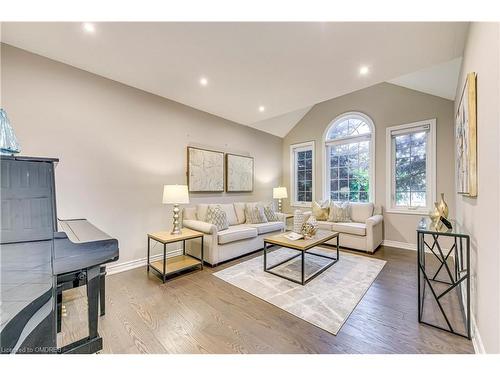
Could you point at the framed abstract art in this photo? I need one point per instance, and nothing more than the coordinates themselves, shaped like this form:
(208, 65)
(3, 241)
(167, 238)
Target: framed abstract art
(239, 173)
(466, 139)
(205, 170)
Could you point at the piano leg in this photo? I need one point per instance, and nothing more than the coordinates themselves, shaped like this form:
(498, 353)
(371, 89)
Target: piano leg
(92, 343)
(59, 309)
(93, 299)
(102, 290)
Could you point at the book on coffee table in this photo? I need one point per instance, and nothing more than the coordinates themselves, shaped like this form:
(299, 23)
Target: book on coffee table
(292, 236)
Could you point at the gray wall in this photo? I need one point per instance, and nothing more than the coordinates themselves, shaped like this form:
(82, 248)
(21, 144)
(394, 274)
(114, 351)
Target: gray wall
(387, 105)
(481, 215)
(118, 145)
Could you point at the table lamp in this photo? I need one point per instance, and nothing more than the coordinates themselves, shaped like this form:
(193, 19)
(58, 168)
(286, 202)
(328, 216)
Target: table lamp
(279, 193)
(175, 194)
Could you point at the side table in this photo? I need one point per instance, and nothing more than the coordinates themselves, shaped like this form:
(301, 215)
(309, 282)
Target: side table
(456, 278)
(167, 266)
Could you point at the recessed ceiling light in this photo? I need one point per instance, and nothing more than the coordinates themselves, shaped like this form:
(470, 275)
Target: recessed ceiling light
(262, 108)
(203, 81)
(364, 70)
(89, 27)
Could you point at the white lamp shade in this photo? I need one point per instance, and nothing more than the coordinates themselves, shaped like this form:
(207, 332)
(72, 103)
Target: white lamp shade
(280, 192)
(175, 194)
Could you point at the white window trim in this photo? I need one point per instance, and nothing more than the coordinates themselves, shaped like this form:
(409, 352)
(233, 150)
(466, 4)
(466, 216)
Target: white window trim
(325, 167)
(294, 147)
(431, 167)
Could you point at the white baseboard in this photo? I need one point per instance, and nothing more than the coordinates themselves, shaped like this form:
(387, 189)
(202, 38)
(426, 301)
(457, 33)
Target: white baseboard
(476, 337)
(400, 245)
(125, 266)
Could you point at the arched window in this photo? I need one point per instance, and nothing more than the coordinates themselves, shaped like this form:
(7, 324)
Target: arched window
(349, 167)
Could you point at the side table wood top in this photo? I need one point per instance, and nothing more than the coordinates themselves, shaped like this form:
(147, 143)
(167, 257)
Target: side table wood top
(165, 237)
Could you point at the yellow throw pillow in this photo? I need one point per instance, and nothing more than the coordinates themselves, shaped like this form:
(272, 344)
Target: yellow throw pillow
(321, 210)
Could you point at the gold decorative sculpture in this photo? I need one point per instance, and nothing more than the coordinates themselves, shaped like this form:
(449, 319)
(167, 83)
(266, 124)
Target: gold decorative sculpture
(309, 229)
(435, 214)
(443, 207)
(440, 209)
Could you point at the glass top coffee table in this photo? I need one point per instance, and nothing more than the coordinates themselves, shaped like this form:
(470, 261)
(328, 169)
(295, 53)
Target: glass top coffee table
(302, 246)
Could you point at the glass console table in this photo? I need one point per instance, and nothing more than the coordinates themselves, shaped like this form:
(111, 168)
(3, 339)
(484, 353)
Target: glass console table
(444, 277)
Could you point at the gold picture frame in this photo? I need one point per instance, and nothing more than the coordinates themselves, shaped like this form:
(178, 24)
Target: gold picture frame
(466, 139)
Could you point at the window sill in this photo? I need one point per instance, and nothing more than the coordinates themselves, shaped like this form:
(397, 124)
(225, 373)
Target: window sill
(424, 212)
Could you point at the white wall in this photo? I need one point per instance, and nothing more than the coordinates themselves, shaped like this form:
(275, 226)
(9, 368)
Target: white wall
(481, 215)
(118, 145)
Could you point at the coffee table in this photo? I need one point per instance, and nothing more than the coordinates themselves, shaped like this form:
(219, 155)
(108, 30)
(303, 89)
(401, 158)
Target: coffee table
(302, 246)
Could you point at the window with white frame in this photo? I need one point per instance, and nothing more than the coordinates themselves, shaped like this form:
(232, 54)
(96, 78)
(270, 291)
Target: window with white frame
(411, 165)
(302, 173)
(349, 165)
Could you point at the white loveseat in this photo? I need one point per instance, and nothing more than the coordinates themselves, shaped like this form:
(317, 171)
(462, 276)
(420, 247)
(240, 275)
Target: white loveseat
(239, 239)
(365, 232)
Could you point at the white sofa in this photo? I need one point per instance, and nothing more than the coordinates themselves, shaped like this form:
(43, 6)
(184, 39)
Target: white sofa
(239, 239)
(365, 232)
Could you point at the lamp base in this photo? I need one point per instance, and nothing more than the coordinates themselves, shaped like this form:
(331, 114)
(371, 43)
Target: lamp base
(176, 229)
(279, 205)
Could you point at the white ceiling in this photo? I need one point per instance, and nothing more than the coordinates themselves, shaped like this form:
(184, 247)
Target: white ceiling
(440, 80)
(286, 67)
(282, 124)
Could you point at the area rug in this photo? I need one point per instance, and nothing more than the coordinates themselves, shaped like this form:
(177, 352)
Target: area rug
(326, 301)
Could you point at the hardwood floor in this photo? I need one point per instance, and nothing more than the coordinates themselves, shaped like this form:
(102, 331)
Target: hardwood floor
(197, 312)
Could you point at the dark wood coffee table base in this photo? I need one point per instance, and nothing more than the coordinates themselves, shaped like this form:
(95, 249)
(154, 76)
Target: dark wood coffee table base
(301, 253)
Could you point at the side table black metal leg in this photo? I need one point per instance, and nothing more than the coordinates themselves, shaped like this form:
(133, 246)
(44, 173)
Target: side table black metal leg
(148, 253)
(183, 247)
(202, 255)
(265, 256)
(419, 249)
(164, 276)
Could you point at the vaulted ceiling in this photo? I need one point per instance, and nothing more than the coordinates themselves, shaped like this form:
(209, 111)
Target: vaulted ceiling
(285, 68)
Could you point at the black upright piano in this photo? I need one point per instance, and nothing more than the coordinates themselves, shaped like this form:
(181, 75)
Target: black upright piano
(40, 256)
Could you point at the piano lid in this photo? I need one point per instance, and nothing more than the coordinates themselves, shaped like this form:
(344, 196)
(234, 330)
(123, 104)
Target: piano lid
(81, 230)
(81, 245)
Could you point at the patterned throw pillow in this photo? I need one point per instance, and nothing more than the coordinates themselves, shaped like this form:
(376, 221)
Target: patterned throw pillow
(339, 212)
(321, 210)
(255, 215)
(217, 217)
(269, 212)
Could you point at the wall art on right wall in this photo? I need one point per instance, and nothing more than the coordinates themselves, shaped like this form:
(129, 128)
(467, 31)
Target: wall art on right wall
(466, 139)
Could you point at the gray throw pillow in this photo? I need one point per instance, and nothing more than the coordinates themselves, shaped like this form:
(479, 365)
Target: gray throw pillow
(339, 212)
(255, 215)
(217, 217)
(270, 213)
